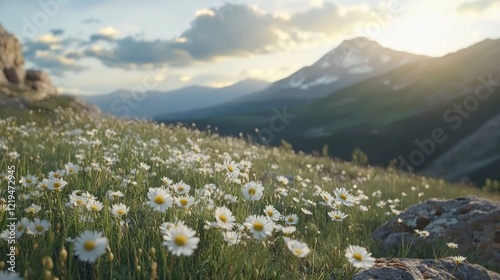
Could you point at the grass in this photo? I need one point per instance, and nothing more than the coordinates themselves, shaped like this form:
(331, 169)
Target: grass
(109, 153)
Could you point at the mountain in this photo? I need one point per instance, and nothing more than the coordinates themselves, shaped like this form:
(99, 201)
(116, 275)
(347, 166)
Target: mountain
(152, 103)
(351, 62)
(427, 114)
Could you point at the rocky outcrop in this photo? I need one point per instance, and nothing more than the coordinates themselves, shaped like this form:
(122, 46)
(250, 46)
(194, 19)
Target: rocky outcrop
(416, 269)
(36, 84)
(471, 222)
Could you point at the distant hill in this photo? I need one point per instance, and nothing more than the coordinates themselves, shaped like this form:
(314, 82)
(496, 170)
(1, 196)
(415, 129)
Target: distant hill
(389, 116)
(351, 62)
(152, 103)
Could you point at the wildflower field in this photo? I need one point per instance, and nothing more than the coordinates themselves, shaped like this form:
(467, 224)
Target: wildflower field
(116, 199)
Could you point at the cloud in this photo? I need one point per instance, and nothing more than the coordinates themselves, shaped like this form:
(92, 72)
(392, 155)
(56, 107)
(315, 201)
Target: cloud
(477, 6)
(105, 34)
(50, 53)
(229, 31)
(57, 32)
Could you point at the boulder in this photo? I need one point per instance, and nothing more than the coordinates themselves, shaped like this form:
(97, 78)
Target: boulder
(417, 269)
(471, 222)
(40, 83)
(11, 57)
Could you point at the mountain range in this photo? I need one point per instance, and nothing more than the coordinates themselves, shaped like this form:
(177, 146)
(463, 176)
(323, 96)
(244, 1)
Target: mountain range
(426, 112)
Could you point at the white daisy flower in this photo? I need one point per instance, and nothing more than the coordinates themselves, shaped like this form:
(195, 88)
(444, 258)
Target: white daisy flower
(39, 227)
(260, 226)
(181, 188)
(291, 219)
(184, 201)
(94, 206)
(231, 237)
(33, 209)
(224, 217)
(359, 257)
(71, 168)
(232, 170)
(337, 215)
(90, 245)
(181, 240)
(252, 191)
(118, 210)
(298, 248)
(271, 213)
(159, 199)
(344, 196)
(458, 259)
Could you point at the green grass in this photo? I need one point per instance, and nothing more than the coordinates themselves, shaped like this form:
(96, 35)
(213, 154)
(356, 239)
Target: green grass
(195, 158)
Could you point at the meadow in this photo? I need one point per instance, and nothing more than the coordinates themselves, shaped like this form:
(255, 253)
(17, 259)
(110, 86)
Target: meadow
(128, 199)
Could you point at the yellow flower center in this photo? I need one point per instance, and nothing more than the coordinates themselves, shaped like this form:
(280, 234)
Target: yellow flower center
(180, 189)
(252, 191)
(39, 228)
(71, 170)
(120, 212)
(184, 201)
(31, 210)
(20, 228)
(159, 199)
(258, 226)
(290, 219)
(230, 168)
(357, 256)
(94, 208)
(270, 213)
(223, 218)
(89, 245)
(337, 217)
(56, 175)
(57, 185)
(79, 202)
(343, 196)
(298, 251)
(44, 187)
(180, 240)
(29, 181)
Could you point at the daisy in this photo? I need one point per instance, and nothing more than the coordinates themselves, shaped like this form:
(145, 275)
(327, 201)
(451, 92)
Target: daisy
(181, 240)
(22, 227)
(422, 233)
(71, 168)
(39, 227)
(57, 184)
(114, 194)
(144, 166)
(232, 169)
(298, 248)
(28, 181)
(359, 257)
(56, 174)
(272, 213)
(337, 215)
(231, 237)
(253, 191)
(167, 181)
(181, 188)
(118, 210)
(291, 219)
(288, 230)
(344, 196)
(458, 259)
(43, 185)
(452, 245)
(259, 226)
(33, 209)
(305, 211)
(159, 199)
(184, 201)
(224, 217)
(94, 206)
(90, 245)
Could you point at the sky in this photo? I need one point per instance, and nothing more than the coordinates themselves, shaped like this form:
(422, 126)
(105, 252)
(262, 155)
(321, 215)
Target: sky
(99, 46)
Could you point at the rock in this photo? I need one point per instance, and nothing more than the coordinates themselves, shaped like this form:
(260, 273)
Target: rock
(40, 83)
(471, 222)
(11, 57)
(417, 269)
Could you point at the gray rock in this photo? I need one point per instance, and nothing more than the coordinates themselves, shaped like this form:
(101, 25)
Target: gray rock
(40, 83)
(471, 222)
(14, 75)
(416, 269)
